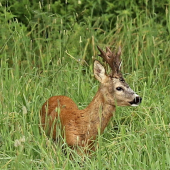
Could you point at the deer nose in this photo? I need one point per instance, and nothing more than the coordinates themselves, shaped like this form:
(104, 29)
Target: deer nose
(137, 100)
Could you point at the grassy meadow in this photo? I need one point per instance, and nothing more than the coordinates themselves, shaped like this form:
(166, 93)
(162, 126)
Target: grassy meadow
(52, 57)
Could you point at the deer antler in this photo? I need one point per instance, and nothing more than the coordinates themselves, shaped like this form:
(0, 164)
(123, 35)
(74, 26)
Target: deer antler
(113, 59)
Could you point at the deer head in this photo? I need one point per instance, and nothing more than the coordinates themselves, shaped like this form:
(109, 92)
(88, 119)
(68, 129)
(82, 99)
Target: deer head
(113, 87)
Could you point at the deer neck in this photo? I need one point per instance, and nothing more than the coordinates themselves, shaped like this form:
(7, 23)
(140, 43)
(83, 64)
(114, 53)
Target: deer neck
(100, 110)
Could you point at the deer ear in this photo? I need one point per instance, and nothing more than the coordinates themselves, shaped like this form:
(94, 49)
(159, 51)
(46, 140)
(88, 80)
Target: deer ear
(99, 71)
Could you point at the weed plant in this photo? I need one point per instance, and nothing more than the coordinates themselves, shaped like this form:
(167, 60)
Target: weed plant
(48, 59)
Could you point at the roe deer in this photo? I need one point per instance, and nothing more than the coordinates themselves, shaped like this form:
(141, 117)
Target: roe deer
(80, 127)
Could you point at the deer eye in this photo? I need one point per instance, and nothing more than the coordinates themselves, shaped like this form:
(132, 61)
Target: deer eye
(119, 88)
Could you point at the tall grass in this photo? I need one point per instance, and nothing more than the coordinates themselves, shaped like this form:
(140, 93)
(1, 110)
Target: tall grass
(35, 66)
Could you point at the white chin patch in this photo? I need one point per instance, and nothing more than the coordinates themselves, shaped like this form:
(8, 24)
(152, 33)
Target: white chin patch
(134, 105)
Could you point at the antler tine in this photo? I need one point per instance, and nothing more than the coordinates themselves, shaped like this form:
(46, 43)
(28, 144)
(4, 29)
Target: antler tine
(102, 53)
(119, 52)
(117, 58)
(108, 56)
(113, 59)
(108, 50)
